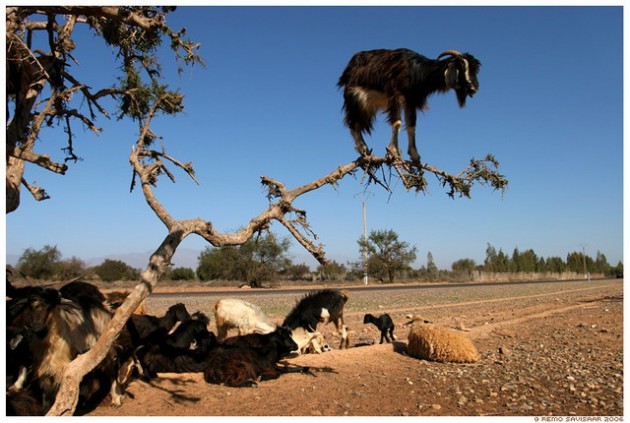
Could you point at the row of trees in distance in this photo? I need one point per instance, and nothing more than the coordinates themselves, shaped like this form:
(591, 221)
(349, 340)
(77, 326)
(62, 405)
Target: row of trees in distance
(266, 259)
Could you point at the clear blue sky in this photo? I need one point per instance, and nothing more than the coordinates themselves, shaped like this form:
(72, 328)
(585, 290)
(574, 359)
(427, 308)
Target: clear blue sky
(549, 108)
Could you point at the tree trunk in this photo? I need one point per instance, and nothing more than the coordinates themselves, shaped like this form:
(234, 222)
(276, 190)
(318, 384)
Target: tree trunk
(15, 171)
(68, 394)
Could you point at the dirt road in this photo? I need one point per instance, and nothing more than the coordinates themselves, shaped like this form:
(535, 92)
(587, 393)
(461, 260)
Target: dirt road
(547, 349)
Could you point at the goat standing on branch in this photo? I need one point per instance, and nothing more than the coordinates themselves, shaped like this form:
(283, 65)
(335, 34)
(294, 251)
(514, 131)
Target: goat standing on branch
(392, 80)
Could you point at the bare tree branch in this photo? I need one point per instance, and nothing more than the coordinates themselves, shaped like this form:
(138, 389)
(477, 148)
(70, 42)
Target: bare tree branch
(147, 165)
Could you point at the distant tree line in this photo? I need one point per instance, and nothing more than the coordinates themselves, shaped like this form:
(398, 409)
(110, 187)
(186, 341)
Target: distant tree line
(266, 259)
(527, 261)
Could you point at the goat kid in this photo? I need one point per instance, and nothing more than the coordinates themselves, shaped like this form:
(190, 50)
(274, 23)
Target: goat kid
(401, 79)
(384, 323)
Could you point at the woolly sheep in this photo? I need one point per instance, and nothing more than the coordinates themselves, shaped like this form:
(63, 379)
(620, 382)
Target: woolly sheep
(436, 343)
(246, 317)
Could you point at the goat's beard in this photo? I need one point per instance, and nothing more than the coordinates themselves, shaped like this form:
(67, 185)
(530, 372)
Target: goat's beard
(461, 97)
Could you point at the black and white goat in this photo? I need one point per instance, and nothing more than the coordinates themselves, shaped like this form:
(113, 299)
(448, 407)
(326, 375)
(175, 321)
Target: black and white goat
(321, 306)
(384, 323)
(243, 360)
(393, 80)
(55, 330)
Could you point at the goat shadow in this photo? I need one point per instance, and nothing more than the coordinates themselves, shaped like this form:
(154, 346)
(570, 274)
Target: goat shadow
(326, 369)
(175, 394)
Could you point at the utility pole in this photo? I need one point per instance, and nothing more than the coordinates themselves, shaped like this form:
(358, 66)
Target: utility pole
(586, 274)
(365, 254)
(365, 271)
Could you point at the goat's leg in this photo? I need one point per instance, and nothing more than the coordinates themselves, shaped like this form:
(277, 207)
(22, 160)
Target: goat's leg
(359, 142)
(393, 116)
(344, 333)
(117, 393)
(410, 123)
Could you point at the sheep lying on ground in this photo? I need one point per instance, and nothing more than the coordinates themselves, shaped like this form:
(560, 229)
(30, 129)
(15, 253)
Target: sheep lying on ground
(435, 343)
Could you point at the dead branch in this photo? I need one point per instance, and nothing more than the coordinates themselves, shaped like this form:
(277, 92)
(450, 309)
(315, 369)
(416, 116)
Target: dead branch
(38, 193)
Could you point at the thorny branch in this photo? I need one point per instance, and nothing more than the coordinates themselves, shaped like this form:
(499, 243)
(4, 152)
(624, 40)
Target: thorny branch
(135, 30)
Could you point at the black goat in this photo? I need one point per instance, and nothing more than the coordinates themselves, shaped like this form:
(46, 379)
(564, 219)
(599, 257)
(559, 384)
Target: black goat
(183, 351)
(79, 289)
(243, 360)
(23, 403)
(384, 323)
(189, 332)
(145, 324)
(320, 306)
(392, 80)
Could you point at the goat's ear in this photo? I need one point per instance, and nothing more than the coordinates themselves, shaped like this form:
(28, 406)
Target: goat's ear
(451, 75)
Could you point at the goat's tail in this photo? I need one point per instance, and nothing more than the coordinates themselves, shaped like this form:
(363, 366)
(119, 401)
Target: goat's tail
(345, 295)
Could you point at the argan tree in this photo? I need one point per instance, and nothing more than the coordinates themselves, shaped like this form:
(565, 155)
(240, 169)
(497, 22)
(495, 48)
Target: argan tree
(41, 89)
(387, 255)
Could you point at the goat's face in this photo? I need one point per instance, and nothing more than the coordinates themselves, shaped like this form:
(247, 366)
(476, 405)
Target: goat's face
(284, 341)
(32, 311)
(461, 75)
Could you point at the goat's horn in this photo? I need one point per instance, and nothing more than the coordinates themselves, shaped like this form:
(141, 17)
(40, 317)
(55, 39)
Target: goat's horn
(449, 53)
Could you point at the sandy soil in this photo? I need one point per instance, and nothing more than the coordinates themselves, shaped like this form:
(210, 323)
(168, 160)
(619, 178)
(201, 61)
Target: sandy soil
(547, 349)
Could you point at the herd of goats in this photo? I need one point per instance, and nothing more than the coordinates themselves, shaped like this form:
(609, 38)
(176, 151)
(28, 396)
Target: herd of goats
(47, 328)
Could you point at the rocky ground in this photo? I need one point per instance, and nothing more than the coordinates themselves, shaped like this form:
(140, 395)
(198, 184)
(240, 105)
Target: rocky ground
(547, 349)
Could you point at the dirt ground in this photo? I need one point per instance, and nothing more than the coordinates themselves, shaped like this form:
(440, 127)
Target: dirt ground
(547, 349)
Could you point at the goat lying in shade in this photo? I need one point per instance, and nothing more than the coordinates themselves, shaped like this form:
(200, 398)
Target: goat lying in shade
(183, 351)
(244, 360)
(49, 331)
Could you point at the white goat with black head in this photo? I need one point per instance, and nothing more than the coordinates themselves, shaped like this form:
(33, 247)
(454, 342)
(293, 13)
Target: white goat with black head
(396, 80)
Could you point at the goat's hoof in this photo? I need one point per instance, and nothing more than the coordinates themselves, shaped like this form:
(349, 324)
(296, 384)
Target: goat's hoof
(392, 153)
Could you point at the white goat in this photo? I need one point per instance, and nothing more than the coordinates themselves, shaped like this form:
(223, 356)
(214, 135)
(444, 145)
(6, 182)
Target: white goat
(309, 342)
(232, 313)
